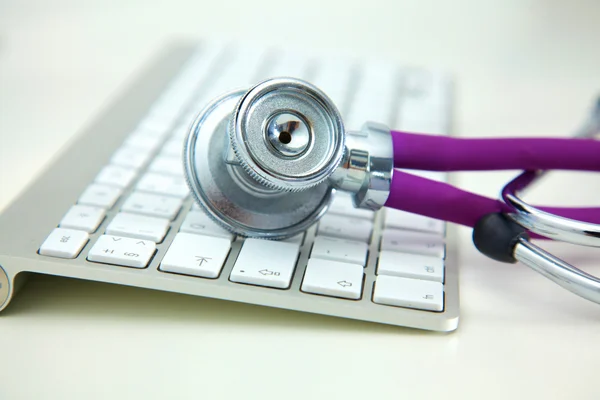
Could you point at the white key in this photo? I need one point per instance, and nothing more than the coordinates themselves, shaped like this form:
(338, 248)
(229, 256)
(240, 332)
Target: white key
(197, 222)
(144, 140)
(173, 148)
(100, 195)
(115, 176)
(167, 165)
(342, 204)
(124, 251)
(83, 218)
(405, 220)
(138, 227)
(182, 129)
(156, 124)
(349, 251)
(424, 104)
(64, 243)
(333, 278)
(345, 227)
(130, 157)
(334, 77)
(265, 263)
(152, 204)
(163, 184)
(288, 63)
(411, 266)
(413, 242)
(195, 207)
(407, 292)
(196, 255)
(375, 95)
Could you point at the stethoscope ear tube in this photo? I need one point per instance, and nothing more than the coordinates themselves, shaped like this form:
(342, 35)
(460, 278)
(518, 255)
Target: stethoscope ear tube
(502, 229)
(502, 239)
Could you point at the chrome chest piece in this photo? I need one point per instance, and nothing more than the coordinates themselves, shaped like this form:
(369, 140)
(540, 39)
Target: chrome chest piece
(266, 162)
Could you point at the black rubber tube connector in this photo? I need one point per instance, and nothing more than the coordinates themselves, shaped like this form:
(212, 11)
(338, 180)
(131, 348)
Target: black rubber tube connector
(496, 236)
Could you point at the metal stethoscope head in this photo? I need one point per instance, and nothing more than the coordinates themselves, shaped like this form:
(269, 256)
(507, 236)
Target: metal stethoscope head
(265, 162)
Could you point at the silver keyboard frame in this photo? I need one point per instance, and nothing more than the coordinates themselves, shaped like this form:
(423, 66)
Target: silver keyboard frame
(26, 223)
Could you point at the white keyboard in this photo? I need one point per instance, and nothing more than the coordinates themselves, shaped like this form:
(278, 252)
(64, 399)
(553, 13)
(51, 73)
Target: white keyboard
(129, 219)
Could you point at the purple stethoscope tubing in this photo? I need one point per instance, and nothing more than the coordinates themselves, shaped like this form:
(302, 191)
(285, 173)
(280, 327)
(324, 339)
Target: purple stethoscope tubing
(440, 153)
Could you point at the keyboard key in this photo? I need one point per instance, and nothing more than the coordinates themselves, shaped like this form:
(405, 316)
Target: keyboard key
(411, 293)
(100, 195)
(144, 140)
(349, 251)
(130, 157)
(424, 102)
(64, 243)
(167, 165)
(332, 278)
(411, 266)
(265, 263)
(345, 227)
(335, 77)
(124, 251)
(138, 227)
(115, 176)
(196, 255)
(83, 218)
(342, 204)
(173, 148)
(152, 204)
(156, 124)
(197, 222)
(163, 184)
(413, 242)
(376, 94)
(405, 220)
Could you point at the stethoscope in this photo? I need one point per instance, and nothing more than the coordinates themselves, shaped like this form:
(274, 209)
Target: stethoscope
(266, 162)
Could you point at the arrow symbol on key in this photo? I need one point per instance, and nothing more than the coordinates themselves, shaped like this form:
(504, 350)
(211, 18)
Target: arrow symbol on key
(266, 272)
(344, 283)
(201, 260)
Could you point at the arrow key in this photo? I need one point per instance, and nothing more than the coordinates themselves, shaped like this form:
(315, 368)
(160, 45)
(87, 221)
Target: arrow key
(196, 255)
(333, 278)
(266, 263)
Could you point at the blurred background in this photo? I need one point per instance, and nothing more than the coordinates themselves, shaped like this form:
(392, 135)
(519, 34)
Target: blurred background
(520, 66)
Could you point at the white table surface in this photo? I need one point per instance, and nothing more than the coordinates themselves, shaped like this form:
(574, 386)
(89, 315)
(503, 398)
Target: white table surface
(522, 67)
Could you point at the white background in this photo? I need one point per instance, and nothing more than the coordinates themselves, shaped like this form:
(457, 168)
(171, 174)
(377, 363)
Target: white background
(521, 67)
